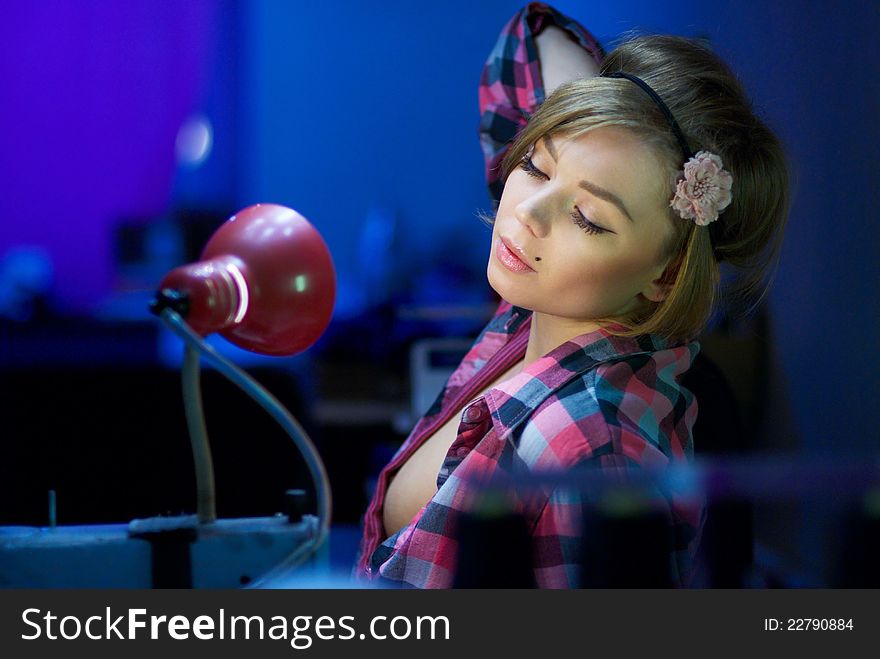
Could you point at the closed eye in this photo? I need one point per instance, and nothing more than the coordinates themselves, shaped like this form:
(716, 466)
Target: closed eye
(530, 169)
(577, 217)
(584, 223)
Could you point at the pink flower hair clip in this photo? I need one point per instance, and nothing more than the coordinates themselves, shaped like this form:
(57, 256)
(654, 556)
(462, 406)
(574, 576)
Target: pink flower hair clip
(704, 189)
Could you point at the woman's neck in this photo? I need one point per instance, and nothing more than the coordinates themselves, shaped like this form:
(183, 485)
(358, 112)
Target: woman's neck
(549, 332)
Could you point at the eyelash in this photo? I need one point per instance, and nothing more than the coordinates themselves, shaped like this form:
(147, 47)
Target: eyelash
(577, 217)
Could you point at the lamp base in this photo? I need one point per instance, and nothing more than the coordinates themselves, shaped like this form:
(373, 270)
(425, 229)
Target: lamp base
(228, 553)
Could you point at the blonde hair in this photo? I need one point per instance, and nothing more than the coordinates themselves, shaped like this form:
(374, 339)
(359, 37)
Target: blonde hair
(714, 114)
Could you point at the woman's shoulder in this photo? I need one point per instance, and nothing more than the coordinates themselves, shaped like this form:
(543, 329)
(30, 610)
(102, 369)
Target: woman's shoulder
(631, 405)
(615, 368)
(658, 365)
(648, 411)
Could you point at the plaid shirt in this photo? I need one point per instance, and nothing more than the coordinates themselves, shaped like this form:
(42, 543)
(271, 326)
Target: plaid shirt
(511, 88)
(596, 400)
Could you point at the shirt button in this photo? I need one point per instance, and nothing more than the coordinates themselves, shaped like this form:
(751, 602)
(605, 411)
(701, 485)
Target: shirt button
(473, 414)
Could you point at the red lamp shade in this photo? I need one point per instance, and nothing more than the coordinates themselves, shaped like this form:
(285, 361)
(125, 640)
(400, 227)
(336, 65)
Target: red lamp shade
(265, 282)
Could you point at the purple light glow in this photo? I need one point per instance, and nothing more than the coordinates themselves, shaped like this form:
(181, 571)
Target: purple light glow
(194, 139)
(98, 93)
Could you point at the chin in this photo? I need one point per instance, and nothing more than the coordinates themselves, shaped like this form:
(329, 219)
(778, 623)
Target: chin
(505, 290)
(496, 281)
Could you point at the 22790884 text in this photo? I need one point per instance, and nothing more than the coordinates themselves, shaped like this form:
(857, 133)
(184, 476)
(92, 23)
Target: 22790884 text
(808, 624)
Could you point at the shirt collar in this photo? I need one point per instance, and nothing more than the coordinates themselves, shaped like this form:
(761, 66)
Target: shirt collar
(515, 399)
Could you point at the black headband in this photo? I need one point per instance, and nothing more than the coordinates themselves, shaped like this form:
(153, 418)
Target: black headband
(685, 149)
(679, 135)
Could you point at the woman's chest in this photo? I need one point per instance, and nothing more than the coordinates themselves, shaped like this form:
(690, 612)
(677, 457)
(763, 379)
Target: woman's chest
(416, 481)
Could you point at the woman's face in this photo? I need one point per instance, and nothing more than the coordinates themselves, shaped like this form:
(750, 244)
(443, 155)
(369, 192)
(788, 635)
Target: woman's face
(579, 229)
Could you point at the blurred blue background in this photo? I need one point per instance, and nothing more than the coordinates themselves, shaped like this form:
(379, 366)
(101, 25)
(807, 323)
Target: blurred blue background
(132, 129)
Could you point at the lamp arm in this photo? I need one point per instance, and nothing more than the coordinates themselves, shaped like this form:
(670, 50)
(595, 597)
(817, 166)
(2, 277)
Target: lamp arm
(206, 506)
(273, 406)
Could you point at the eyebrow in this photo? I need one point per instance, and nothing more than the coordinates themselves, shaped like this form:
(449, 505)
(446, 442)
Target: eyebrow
(592, 188)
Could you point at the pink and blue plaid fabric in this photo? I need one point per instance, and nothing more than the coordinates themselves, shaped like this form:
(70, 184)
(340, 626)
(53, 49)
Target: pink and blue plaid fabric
(511, 88)
(597, 400)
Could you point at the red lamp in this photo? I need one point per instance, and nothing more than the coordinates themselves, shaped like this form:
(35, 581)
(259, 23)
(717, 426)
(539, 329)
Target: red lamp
(265, 282)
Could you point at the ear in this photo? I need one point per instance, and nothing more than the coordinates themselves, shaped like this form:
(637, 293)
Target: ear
(658, 289)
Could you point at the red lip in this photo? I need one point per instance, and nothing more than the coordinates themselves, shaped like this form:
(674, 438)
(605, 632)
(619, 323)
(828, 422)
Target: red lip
(513, 257)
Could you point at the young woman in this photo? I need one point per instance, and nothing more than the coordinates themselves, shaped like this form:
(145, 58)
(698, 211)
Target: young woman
(620, 195)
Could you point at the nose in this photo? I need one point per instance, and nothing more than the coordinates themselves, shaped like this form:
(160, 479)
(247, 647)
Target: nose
(534, 213)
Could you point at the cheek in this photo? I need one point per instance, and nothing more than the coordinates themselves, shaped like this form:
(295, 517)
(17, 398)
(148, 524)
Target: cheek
(519, 186)
(509, 191)
(598, 270)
